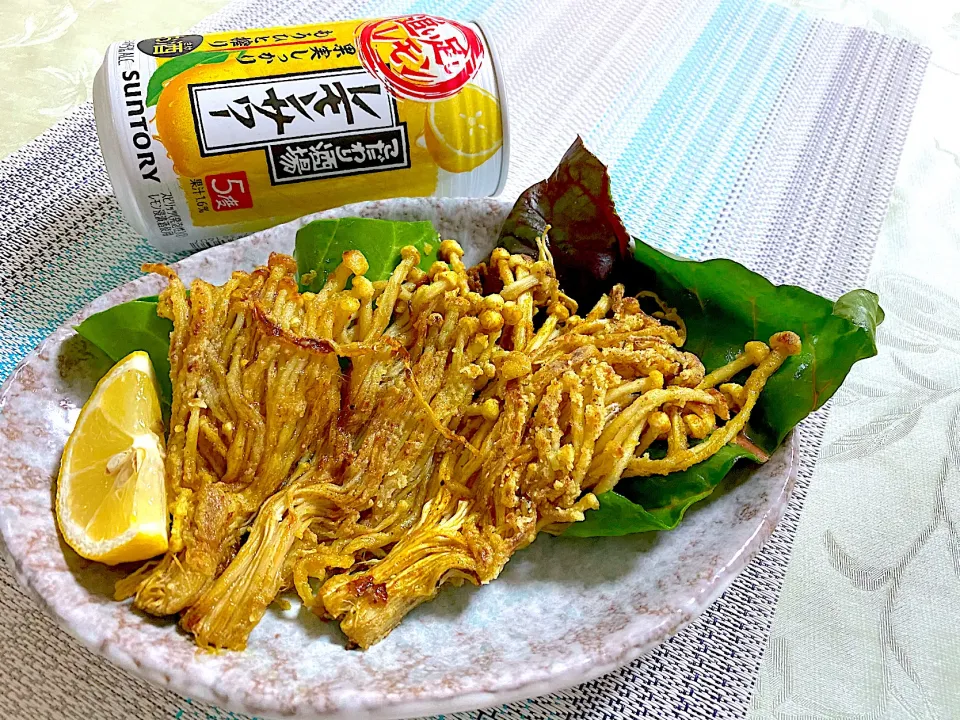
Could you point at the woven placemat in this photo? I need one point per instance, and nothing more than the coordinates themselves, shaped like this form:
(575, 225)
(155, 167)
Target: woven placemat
(733, 128)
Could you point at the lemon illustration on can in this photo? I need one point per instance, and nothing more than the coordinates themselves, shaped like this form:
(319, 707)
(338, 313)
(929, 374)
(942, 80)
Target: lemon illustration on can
(174, 118)
(414, 114)
(464, 131)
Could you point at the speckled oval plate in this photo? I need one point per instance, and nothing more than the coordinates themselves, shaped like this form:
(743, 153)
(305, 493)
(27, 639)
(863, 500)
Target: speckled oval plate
(564, 610)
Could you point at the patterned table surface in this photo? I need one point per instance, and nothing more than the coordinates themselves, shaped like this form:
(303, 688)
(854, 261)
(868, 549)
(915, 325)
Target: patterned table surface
(866, 622)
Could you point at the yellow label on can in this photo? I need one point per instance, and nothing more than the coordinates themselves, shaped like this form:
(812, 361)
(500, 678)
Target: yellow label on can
(260, 126)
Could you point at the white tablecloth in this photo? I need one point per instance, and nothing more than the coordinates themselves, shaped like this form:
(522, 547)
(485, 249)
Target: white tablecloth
(868, 622)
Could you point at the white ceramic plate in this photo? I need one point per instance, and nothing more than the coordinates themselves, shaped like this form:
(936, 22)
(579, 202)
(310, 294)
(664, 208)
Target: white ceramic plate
(564, 610)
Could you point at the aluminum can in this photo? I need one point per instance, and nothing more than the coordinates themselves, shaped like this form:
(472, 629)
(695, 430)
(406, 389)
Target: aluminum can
(209, 136)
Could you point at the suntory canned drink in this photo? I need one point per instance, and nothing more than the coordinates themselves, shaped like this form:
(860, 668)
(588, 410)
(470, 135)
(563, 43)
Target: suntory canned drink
(206, 136)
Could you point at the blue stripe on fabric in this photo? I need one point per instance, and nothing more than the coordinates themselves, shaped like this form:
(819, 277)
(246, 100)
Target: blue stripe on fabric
(622, 117)
(717, 193)
(654, 153)
(677, 94)
(713, 190)
(454, 9)
(97, 256)
(650, 157)
(457, 10)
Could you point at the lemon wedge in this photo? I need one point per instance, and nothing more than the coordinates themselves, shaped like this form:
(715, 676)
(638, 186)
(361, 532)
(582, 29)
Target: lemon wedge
(464, 131)
(111, 493)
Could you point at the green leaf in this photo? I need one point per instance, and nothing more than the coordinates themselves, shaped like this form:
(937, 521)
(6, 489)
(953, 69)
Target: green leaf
(320, 246)
(134, 325)
(667, 497)
(177, 65)
(724, 305)
(862, 308)
(616, 516)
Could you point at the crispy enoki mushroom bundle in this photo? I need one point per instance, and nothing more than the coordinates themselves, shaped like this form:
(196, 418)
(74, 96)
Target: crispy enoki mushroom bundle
(585, 398)
(407, 383)
(465, 424)
(232, 442)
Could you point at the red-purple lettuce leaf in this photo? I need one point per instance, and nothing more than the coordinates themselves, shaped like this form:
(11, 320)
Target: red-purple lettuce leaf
(589, 243)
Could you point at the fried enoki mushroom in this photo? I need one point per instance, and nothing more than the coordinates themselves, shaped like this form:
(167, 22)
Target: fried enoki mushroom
(409, 377)
(581, 400)
(463, 424)
(231, 443)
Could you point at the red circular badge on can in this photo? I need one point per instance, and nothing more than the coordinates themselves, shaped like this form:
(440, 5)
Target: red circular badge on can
(420, 57)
